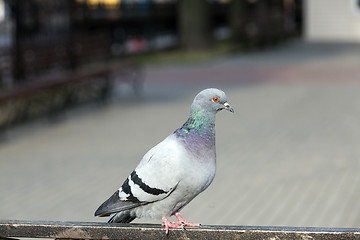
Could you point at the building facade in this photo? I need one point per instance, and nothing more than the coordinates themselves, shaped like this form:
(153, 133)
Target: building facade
(332, 20)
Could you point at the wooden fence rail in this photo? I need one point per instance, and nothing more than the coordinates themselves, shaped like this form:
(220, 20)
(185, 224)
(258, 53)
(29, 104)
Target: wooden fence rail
(85, 230)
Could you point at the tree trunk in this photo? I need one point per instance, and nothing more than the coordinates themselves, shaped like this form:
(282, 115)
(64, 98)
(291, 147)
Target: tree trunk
(238, 19)
(194, 24)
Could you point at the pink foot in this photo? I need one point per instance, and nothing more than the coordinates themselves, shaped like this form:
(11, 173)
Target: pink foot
(180, 224)
(185, 223)
(168, 225)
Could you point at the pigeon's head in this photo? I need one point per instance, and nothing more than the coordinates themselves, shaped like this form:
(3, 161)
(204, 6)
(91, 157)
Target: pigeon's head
(212, 100)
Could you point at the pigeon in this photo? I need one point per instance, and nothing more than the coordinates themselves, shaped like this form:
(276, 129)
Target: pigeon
(173, 172)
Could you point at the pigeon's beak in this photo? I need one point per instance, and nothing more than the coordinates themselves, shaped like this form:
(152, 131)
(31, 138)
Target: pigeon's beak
(228, 107)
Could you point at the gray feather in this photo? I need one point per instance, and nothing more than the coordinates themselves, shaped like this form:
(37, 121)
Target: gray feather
(114, 205)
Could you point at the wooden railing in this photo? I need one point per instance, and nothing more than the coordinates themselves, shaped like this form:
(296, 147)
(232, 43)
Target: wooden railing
(85, 230)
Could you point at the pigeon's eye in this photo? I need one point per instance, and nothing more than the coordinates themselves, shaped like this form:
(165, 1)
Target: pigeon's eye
(215, 99)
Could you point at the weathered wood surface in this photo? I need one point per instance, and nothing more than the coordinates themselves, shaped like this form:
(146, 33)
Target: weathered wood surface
(90, 230)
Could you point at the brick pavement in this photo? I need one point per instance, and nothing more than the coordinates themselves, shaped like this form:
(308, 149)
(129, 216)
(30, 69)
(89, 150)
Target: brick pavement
(288, 156)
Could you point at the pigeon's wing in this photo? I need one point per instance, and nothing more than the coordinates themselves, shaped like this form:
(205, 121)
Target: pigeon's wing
(154, 179)
(114, 204)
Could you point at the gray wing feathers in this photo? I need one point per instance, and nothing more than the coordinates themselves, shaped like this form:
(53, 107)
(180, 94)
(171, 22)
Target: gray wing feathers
(114, 204)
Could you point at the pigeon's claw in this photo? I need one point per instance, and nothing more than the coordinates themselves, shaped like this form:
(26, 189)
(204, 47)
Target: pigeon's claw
(186, 223)
(169, 224)
(180, 224)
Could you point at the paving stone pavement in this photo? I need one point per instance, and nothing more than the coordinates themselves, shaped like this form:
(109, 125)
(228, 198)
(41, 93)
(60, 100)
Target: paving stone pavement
(289, 155)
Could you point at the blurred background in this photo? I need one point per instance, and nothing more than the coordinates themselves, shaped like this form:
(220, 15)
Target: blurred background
(88, 86)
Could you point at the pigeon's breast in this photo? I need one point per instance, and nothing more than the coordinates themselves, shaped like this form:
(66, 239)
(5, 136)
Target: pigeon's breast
(201, 146)
(202, 162)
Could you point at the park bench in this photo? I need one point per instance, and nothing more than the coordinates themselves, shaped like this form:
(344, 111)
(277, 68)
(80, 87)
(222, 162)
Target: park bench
(92, 230)
(48, 96)
(54, 81)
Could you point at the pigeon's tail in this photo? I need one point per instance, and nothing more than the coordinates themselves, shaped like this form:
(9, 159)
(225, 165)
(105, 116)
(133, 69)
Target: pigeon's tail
(114, 205)
(123, 217)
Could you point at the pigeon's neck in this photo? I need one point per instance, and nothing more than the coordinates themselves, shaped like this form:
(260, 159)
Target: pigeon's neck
(199, 129)
(200, 122)
(198, 134)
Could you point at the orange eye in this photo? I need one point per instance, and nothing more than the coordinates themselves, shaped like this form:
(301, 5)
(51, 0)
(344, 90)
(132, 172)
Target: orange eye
(215, 99)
